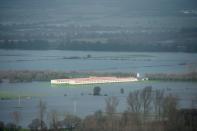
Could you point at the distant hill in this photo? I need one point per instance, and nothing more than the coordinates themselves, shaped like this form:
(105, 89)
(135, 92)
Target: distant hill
(110, 25)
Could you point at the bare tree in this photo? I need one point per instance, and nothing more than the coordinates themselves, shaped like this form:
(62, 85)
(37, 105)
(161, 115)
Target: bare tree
(41, 112)
(193, 102)
(2, 126)
(146, 98)
(158, 100)
(134, 102)
(140, 101)
(111, 104)
(71, 122)
(130, 121)
(11, 127)
(171, 115)
(53, 119)
(35, 125)
(169, 106)
(16, 116)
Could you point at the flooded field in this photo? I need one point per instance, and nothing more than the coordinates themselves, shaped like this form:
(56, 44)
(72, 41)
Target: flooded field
(62, 98)
(97, 61)
(79, 99)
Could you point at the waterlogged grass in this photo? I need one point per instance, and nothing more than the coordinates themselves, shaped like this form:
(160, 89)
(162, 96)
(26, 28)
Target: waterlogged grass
(76, 86)
(125, 57)
(138, 55)
(5, 95)
(89, 85)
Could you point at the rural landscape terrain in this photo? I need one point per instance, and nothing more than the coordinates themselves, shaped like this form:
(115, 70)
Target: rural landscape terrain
(153, 42)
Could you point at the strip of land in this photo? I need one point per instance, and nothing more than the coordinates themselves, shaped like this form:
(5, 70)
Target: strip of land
(15, 76)
(188, 76)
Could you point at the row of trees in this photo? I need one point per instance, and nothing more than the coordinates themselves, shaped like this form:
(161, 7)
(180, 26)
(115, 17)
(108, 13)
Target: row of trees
(190, 76)
(28, 76)
(148, 110)
(110, 45)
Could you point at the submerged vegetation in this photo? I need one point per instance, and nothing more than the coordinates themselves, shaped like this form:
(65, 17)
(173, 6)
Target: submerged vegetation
(75, 26)
(7, 95)
(148, 110)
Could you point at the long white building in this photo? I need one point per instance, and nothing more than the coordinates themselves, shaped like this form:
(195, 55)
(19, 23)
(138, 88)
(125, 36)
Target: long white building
(93, 80)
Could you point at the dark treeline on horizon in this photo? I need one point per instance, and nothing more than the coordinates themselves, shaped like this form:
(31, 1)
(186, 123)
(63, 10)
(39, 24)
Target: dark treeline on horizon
(97, 46)
(97, 38)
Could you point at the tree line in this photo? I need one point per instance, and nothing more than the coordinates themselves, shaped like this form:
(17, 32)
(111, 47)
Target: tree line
(15, 76)
(189, 76)
(28, 76)
(114, 44)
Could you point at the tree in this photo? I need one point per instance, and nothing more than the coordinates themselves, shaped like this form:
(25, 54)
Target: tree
(41, 112)
(134, 102)
(16, 117)
(146, 98)
(53, 119)
(169, 106)
(193, 102)
(111, 104)
(99, 116)
(174, 120)
(96, 91)
(2, 126)
(89, 124)
(158, 101)
(71, 121)
(35, 125)
(11, 127)
(122, 91)
(88, 56)
(130, 121)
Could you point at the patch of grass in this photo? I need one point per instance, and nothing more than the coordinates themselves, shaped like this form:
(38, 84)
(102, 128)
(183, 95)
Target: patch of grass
(5, 95)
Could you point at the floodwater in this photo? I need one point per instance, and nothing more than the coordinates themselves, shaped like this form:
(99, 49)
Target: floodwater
(78, 99)
(99, 61)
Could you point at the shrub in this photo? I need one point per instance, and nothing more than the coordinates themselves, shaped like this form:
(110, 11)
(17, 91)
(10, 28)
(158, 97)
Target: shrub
(96, 91)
